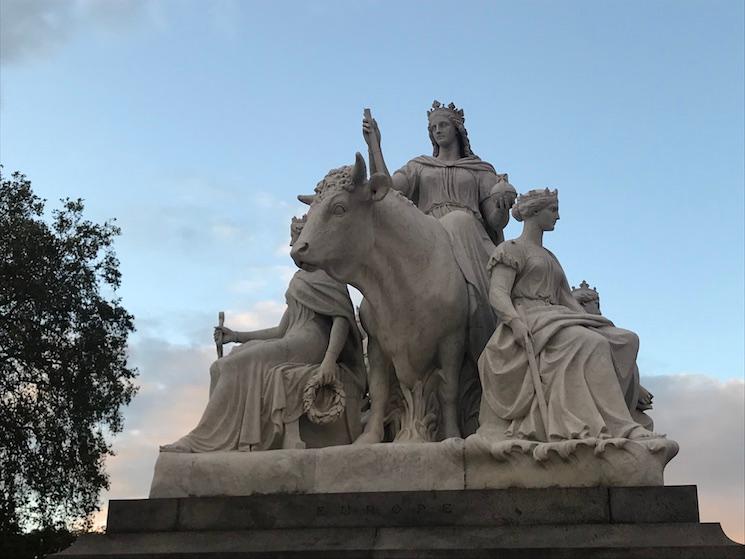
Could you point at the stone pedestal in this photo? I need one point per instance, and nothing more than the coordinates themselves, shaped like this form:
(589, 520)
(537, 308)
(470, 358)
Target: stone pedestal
(601, 522)
(474, 463)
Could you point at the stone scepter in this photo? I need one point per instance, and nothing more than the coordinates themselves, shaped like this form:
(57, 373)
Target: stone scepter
(218, 340)
(535, 374)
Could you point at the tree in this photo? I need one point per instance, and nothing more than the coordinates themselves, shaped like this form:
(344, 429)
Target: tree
(64, 375)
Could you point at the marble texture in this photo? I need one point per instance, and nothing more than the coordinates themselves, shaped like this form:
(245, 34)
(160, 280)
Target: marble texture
(453, 464)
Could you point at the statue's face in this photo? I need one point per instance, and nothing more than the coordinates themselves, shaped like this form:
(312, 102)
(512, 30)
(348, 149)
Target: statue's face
(548, 216)
(442, 130)
(592, 307)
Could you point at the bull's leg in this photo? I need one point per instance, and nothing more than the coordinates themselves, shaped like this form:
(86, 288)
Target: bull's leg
(379, 378)
(451, 361)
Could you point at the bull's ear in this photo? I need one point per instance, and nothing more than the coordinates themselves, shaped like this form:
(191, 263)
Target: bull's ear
(359, 171)
(306, 198)
(380, 184)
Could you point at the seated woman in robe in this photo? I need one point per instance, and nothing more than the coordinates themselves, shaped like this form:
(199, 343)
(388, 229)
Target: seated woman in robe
(257, 389)
(586, 366)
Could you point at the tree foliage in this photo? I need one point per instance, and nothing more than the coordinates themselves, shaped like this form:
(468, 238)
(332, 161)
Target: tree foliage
(63, 366)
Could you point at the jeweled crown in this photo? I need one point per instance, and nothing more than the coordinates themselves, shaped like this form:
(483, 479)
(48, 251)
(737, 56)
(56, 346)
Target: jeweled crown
(450, 110)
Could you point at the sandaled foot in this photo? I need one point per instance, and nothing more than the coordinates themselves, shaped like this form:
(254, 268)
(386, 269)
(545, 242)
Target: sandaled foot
(178, 446)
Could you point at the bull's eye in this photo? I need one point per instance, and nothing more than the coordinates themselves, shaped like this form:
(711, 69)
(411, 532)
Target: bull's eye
(338, 209)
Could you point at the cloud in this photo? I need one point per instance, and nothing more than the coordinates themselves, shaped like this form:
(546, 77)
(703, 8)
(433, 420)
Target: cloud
(257, 277)
(707, 417)
(37, 28)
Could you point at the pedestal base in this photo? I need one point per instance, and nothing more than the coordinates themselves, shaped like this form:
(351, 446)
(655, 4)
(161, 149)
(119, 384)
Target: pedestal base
(474, 463)
(598, 522)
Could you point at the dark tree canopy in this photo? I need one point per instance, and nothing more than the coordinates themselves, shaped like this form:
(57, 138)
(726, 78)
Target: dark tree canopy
(63, 366)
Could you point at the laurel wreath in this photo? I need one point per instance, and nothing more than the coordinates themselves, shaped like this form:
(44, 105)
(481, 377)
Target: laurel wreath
(322, 417)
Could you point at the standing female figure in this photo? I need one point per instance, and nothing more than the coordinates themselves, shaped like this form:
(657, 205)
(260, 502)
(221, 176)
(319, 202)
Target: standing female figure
(472, 203)
(587, 366)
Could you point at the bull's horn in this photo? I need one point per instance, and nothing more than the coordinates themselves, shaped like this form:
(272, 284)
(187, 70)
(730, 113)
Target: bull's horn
(306, 198)
(359, 172)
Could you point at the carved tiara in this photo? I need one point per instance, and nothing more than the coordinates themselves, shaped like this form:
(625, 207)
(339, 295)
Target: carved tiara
(451, 111)
(538, 194)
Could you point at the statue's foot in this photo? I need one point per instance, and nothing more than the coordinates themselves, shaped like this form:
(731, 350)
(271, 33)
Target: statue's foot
(179, 446)
(371, 436)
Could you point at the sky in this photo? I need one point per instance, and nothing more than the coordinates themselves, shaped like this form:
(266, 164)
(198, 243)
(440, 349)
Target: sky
(196, 124)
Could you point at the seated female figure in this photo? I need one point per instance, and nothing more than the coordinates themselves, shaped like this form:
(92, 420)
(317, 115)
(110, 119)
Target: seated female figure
(587, 373)
(257, 390)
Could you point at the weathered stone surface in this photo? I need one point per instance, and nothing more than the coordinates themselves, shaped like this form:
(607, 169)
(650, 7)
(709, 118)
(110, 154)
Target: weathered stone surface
(495, 466)
(653, 504)
(451, 464)
(233, 473)
(609, 541)
(138, 515)
(390, 467)
(411, 508)
(513, 523)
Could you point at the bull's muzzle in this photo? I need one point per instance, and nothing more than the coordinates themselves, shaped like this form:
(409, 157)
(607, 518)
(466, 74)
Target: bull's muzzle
(299, 249)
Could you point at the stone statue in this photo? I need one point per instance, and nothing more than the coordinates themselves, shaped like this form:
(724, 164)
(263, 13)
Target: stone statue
(588, 298)
(257, 392)
(415, 309)
(472, 203)
(590, 301)
(552, 372)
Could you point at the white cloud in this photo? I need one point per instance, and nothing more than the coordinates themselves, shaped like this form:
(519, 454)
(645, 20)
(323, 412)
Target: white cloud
(707, 417)
(35, 28)
(263, 314)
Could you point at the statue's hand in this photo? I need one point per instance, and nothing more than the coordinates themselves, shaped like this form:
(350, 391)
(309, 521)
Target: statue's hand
(503, 193)
(503, 200)
(328, 371)
(224, 335)
(519, 330)
(645, 399)
(370, 131)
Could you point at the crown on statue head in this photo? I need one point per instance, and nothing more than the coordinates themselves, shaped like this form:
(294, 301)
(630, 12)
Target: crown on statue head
(584, 293)
(538, 194)
(451, 111)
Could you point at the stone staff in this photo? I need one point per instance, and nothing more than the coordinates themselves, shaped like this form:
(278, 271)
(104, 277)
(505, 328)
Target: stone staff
(535, 375)
(218, 340)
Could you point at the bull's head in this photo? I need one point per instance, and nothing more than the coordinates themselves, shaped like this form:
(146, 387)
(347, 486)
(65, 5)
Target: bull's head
(339, 233)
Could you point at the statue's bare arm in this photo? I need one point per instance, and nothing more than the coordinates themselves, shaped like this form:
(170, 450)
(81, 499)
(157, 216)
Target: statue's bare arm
(229, 335)
(500, 290)
(337, 339)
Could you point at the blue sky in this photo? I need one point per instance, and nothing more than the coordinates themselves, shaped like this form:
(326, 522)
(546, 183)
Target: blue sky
(195, 124)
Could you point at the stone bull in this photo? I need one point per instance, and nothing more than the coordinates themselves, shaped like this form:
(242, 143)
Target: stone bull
(415, 307)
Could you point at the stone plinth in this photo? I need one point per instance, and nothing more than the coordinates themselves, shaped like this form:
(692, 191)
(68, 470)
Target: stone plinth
(451, 464)
(613, 522)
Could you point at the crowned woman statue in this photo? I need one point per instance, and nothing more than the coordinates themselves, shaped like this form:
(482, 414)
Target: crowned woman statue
(469, 199)
(552, 371)
(259, 391)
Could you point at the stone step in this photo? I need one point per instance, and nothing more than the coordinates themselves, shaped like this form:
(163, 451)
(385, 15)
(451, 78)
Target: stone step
(503, 507)
(680, 540)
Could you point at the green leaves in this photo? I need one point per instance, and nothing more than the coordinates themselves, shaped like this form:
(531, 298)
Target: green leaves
(63, 366)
